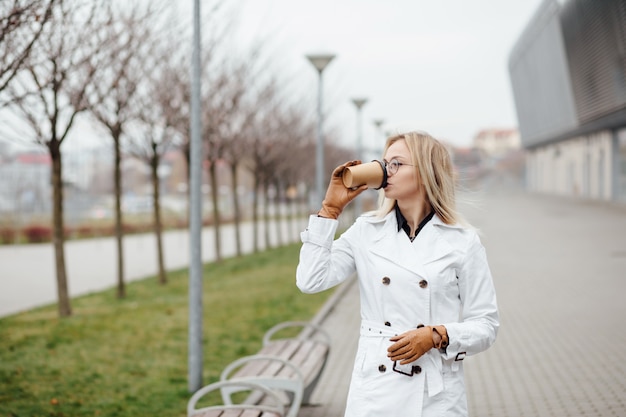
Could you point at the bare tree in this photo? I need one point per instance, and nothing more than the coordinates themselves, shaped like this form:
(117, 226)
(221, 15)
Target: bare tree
(113, 101)
(162, 111)
(293, 166)
(49, 93)
(260, 155)
(227, 87)
(21, 25)
(235, 155)
(218, 24)
(286, 164)
(295, 131)
(237, 130)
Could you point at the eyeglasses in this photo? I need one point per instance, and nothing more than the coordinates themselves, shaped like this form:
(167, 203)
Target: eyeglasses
(393, 166)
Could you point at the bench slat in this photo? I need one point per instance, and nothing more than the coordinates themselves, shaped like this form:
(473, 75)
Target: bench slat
(252, 368)
(258, 367)
(253, 413)
(307, 355)
(210, 413)
(282, 348)
(298, 357)
(308, 358)
(236, 413)
(291, 350)
(268, 368)
(315, 360)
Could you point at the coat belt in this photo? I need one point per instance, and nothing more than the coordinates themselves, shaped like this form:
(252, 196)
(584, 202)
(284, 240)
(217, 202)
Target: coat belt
(430, 362)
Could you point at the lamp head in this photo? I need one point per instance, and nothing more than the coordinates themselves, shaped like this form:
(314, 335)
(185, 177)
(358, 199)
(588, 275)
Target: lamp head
(359, 102)
(320, 61)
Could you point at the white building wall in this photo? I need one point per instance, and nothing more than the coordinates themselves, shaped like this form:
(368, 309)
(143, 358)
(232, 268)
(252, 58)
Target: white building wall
(600, 167)
(580, 167)
(618, 161)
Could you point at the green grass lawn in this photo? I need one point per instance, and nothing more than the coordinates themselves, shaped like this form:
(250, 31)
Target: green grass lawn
(129, 357)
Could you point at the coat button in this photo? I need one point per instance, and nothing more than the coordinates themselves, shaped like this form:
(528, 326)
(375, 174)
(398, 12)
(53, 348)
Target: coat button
(417, 369)
(387, 324)
(382, 368)
(386, 281)
(423, 283)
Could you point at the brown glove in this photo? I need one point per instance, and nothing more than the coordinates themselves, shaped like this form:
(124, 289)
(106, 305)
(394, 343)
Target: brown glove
(337, 195)
(411, 345)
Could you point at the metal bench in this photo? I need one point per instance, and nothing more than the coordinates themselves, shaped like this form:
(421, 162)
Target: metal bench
(283, 364)
(308, 352)
(272, 406)
(279, 378)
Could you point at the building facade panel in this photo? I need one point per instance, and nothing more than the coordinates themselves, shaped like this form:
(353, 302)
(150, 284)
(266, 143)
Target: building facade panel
(539, 76)
(595, 43)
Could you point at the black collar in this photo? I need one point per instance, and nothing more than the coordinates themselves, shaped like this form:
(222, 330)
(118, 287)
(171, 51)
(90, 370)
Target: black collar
(404, 225)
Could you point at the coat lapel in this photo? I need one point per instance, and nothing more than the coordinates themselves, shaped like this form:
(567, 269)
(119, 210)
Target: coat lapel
(396, 247)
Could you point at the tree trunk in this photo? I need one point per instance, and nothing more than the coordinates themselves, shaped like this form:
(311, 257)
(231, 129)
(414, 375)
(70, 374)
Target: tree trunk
(235, 180)
(266, 211)
(277, 214)
(185, 151)
(255, 214)
(65, 309)
(119, 232)
(291, 216)
(156, 203)
(216, 210)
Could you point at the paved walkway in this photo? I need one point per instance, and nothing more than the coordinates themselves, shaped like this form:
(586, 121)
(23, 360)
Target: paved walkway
(559, 267)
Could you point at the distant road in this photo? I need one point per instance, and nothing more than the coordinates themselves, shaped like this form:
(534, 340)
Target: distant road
(27, 272)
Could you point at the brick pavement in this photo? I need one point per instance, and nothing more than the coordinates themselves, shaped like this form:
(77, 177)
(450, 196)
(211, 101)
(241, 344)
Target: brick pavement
(559, 267)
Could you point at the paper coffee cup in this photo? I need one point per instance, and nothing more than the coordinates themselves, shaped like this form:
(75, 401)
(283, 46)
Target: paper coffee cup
(373, 174)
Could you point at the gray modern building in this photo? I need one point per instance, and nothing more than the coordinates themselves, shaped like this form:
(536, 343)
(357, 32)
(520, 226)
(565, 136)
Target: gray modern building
(568, 75)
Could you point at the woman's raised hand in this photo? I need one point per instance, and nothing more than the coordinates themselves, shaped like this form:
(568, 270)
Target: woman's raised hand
(337, 195)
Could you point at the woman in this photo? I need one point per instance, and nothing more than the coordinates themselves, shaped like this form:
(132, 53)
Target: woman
(427, 296)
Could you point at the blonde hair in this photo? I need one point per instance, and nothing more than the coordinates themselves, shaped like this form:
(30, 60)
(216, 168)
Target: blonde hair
(433, 166)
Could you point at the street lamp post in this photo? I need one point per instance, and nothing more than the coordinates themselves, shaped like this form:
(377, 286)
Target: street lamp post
(359, 103)
(319, 62)
(378, 123)
(195, 216)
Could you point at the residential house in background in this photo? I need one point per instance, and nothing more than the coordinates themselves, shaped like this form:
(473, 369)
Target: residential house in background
(24, 184)
(496, 143)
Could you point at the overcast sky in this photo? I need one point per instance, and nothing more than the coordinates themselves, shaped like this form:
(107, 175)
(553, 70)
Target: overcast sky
(434, 65)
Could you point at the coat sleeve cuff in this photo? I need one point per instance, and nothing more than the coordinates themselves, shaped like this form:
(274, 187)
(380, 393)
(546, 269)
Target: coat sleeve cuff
(320, 231)
(455, 351)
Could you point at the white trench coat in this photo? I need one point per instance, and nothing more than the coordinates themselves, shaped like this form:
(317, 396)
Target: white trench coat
(442, 277)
